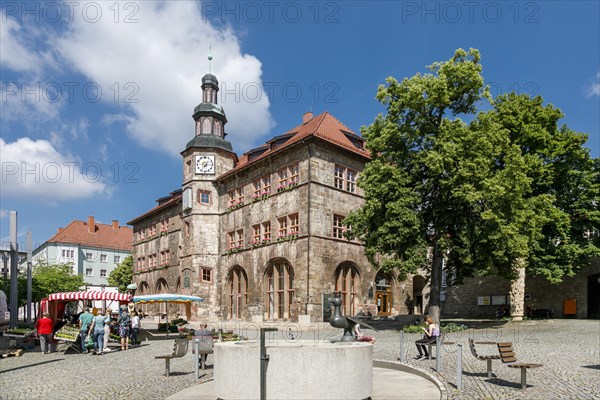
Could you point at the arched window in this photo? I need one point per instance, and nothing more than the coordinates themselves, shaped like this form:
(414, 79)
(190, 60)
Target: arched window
(162, 287)
(280, 289)
(187, 280)
(206, 125)
(198, 128)
(144, 288)
(237, 288)
(347, 281)
(218, 131)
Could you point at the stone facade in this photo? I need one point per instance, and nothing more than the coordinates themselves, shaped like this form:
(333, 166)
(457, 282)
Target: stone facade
(260, 237)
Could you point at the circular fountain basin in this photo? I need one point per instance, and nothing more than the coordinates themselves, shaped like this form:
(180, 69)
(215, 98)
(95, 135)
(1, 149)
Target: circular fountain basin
(301, 369)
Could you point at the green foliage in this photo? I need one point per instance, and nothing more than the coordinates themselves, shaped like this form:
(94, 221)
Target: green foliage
(453, 327)
(122, 275)
(539, 196)
(413, 328)
(46, 279)
(53, 278)
(509, 190)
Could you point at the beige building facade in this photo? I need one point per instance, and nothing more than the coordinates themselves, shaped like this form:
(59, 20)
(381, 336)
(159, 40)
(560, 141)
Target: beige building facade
(261, 237)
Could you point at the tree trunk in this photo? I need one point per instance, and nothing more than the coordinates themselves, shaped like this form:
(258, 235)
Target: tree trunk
(517, 292)
(436, 283)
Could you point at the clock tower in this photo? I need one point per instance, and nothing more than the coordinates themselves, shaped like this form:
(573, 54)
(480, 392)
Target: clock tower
(207, 156)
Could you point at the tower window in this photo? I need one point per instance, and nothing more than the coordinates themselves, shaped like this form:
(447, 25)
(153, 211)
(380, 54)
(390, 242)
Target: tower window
(206, 125)
(218, 130)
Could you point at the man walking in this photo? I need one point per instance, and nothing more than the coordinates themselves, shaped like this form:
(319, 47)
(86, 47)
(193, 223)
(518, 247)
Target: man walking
(85, 320)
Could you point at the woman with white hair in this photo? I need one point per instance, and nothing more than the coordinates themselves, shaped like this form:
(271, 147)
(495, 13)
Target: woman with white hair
(107, 325)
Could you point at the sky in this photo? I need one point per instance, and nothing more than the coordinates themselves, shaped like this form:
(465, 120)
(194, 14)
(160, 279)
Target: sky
(97, 97)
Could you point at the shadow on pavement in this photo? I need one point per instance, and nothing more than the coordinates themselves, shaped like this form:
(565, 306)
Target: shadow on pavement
(30, 365)
(597, 366)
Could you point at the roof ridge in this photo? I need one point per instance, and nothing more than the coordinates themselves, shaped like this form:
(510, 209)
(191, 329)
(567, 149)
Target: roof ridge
(323, 115)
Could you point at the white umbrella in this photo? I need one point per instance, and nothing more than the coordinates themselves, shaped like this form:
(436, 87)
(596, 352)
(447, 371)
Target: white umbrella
(166, 298)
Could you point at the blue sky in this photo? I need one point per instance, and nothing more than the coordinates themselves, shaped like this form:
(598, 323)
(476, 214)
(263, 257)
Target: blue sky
(97, 97)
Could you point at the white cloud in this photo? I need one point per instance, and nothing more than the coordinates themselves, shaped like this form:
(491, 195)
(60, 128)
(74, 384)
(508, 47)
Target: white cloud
(17, 53)
(593, 88)
(158, 72)
(35, 168)
(3, 213)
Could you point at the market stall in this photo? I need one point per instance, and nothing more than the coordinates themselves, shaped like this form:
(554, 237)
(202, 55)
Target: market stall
(56, 303)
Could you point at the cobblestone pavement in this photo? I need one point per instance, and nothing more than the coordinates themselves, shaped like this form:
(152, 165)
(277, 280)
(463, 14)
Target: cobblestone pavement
(569, 350)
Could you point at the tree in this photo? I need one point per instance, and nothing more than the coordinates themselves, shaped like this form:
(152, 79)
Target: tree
(53, 278)
(122, 275)
(410, 202)
(540, 197)
(508, 193)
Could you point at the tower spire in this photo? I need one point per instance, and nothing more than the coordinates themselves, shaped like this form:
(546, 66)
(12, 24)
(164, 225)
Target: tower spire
(209, 58)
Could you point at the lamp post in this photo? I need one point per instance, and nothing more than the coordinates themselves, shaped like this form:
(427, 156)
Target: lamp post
(103, 289)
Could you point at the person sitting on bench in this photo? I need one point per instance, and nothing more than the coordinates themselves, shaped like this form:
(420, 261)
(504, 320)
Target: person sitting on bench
(430, 336)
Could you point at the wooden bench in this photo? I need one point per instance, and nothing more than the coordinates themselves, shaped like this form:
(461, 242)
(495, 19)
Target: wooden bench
(489, 358)
(179, 350)
(507, 355)
(205, 347)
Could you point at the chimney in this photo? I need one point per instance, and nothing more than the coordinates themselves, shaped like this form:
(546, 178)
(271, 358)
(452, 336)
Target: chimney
(91, 224)
(115, 224)
(60, 230)
(307, 117)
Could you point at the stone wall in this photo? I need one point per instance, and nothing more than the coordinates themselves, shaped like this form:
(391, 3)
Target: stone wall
(461, 300)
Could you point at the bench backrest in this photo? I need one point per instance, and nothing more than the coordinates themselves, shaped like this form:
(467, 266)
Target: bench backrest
(507, 354)
(181, 347)
(472, 347)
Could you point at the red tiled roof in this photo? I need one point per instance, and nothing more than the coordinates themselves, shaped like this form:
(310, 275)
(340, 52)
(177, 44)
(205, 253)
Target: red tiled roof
(104, 236)
(324, 126)
(175, 198)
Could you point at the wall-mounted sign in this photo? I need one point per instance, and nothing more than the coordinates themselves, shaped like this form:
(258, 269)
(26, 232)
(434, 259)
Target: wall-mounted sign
(499, 300)
(483, 300)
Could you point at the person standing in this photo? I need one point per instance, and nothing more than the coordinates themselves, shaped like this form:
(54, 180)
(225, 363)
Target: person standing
(44, 327)
(97, 329)
(124, 322)
(136, 323)
(430, 336)
(85, 320)
(107, 324)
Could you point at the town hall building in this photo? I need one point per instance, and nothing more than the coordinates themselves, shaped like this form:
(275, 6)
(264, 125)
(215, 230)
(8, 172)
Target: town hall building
(260, 237)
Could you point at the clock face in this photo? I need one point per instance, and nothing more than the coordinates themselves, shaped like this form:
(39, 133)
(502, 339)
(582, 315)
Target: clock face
(205, 164)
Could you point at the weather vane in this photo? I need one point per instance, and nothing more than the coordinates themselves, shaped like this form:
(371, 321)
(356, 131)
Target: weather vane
(209, 58)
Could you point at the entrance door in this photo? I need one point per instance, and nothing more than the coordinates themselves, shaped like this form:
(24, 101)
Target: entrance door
(384, 303)
(383, 293)
(593, 297)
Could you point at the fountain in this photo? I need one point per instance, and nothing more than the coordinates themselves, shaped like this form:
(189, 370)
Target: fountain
(297, 369)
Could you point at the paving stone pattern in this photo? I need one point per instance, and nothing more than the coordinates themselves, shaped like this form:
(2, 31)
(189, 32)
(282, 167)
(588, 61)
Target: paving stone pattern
(130, 374)
(569, 350)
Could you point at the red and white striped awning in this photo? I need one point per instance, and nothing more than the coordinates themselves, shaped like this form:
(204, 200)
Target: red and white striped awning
(90, 295)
